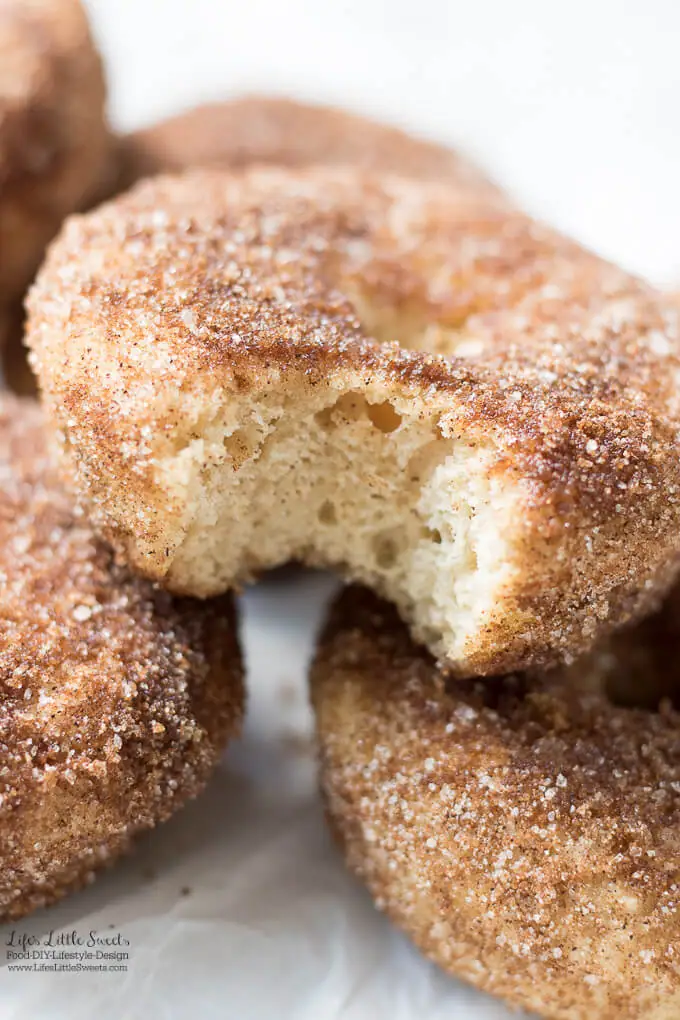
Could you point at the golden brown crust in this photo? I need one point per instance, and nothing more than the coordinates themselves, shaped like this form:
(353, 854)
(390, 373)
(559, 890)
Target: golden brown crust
(159, 309)
(238, 133)
(524, 833)
(116, 701)
(55, 149)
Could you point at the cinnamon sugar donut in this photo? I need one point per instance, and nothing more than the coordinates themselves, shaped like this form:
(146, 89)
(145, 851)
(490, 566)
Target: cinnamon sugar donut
(115, 701)
(54, 143)
(208, 350)
(266, 129)
(526, 835)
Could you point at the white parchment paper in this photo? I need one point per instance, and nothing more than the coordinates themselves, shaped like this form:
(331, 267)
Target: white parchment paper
(240, 907)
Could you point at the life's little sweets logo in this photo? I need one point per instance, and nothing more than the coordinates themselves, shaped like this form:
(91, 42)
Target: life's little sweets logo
(68, 951)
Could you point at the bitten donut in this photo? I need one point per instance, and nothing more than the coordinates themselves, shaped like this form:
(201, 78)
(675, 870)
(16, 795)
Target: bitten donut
(526, 835)
(116, 701)
(266, 129)
(55, 150)
(209, 351)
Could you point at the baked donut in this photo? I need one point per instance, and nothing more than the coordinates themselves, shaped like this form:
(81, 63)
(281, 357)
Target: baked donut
(208, 348)
(265, 129)
(525, 835)
(116, 701)
(55, 151)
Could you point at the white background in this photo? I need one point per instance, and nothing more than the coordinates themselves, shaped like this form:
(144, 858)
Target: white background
(575, 104)
(576, 108)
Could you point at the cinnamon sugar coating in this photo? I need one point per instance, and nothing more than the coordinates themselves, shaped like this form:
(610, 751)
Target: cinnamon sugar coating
(213, 354)
(55, 149)
(251, 130)
(523, 832)
(116, 700)
(238, 133)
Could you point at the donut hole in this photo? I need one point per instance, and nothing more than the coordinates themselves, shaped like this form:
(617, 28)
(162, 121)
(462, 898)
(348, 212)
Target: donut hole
(411, 328)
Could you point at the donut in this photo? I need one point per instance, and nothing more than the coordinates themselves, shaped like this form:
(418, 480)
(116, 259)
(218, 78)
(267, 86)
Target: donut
(116, 701)
(55, 151)
(213, 351)
(524, 834)
(272, 130)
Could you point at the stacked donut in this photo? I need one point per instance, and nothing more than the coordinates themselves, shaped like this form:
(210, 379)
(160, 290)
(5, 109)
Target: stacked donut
(116, 699)
(340, 345)
(55, 147)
